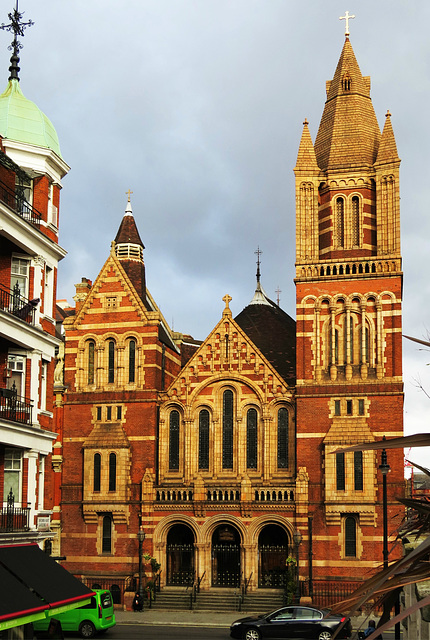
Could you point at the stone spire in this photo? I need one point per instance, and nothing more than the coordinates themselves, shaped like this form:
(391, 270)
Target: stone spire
(349, 133)
(306, 158)
(387, 151)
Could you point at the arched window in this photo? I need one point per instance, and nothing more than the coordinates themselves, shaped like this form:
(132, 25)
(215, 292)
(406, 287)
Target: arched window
(340, 471)
(174, 440)
(340, 222)
(283, 438)
(350, 537)
(107, 535)
(111, 361)
(356, 221)
(204, 439)
(367, 344)
(112, 472)
(227, 430)
(91, 354)
(348, 332)
(132, 360)
(358, 470)
(97, 471)
(251, 439)
(346, 83)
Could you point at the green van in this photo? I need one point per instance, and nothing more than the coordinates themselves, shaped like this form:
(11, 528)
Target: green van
(96, 616)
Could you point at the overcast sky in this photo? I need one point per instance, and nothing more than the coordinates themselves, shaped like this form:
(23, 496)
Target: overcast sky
(197, 107)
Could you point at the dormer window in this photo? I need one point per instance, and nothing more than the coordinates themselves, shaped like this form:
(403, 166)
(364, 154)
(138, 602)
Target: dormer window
(346, 83)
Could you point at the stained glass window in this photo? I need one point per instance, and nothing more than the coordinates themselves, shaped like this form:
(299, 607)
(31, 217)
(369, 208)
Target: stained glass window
(227, 430)
(204, 439)
(283, 438)
(251, 439)
(174, 440)
(97, 471)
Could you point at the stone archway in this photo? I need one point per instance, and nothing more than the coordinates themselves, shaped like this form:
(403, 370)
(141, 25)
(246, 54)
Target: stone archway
(226, 556)
(180, 555)
(274, 547)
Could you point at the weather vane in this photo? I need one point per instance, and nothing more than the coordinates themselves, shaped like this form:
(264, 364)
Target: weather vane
(347, 18)
(17, 26)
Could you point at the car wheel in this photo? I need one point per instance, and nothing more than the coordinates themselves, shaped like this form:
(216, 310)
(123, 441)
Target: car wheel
(325, 635)
(252, 634)
(87, 629)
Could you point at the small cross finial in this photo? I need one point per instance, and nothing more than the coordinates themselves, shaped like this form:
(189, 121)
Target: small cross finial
(347, 18)
(388, 114)
(227, 299)
(128, 193)
(305, 122)
(258, 253)
(278, 292)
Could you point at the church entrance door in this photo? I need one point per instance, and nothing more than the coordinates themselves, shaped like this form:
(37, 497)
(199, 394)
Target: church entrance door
(273, 551)
(225, 557)
(180, 555)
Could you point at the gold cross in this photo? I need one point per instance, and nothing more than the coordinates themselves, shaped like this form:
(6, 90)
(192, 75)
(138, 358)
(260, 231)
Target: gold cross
(227, 299)
(128, 193)
(347, 18)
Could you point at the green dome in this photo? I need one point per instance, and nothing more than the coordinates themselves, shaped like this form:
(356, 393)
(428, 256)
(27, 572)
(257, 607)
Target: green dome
(23, 121)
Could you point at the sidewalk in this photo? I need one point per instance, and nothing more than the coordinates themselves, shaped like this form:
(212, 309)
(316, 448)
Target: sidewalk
(193, 618)
(179, 618)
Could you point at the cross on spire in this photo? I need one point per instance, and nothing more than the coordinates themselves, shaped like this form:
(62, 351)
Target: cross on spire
(17, 26)
(258, 254)
(347, 18)
(278, 292)
(128, 193)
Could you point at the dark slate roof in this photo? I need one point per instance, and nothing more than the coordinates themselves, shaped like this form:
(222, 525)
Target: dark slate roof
(188, 348)
(274, 332)
(127, 232)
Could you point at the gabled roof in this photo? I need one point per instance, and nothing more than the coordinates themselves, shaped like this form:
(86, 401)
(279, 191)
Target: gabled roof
(142, 308)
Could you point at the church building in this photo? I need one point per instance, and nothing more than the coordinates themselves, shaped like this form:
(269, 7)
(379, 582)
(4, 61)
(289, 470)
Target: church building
(220, 459)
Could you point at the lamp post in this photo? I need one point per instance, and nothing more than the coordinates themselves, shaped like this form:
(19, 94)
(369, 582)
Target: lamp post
(297, 537)
(141, 538)
(384, 468)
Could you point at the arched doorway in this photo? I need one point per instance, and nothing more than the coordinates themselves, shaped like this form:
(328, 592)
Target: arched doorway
(225, 557)
(180, 555)
(273, 550)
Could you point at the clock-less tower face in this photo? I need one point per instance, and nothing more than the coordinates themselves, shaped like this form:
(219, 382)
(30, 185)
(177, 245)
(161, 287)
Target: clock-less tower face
(348, 294)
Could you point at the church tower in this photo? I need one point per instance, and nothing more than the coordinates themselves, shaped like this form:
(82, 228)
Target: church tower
(348, 294)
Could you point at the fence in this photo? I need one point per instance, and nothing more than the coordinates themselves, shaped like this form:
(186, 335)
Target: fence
(325, 593)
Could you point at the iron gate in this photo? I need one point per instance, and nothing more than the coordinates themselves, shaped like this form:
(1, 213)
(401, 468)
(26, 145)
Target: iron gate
(225, 565)
(180, 564)
(272, 570)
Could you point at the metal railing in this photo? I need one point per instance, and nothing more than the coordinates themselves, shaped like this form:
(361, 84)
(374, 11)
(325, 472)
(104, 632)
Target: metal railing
(14, 518)
(15, 200)
(12, 302)
(15, 408)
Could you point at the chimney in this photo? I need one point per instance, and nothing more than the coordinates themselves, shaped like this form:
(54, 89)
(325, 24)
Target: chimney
(82, 291)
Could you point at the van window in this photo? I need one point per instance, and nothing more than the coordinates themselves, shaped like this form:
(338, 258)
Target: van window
(91, 605)
(106, 600)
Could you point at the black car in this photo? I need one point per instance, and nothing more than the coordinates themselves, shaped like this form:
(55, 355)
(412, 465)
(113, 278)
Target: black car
(298, 623)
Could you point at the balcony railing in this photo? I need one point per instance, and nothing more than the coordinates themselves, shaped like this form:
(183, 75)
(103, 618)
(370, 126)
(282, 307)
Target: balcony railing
(16, 201)
(228, 494)
(15, 408)
(14, 518)
(12, 302)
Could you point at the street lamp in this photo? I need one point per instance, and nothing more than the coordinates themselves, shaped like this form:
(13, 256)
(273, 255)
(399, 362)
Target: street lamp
(384, 468)
(297, 537)
(141, 538)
